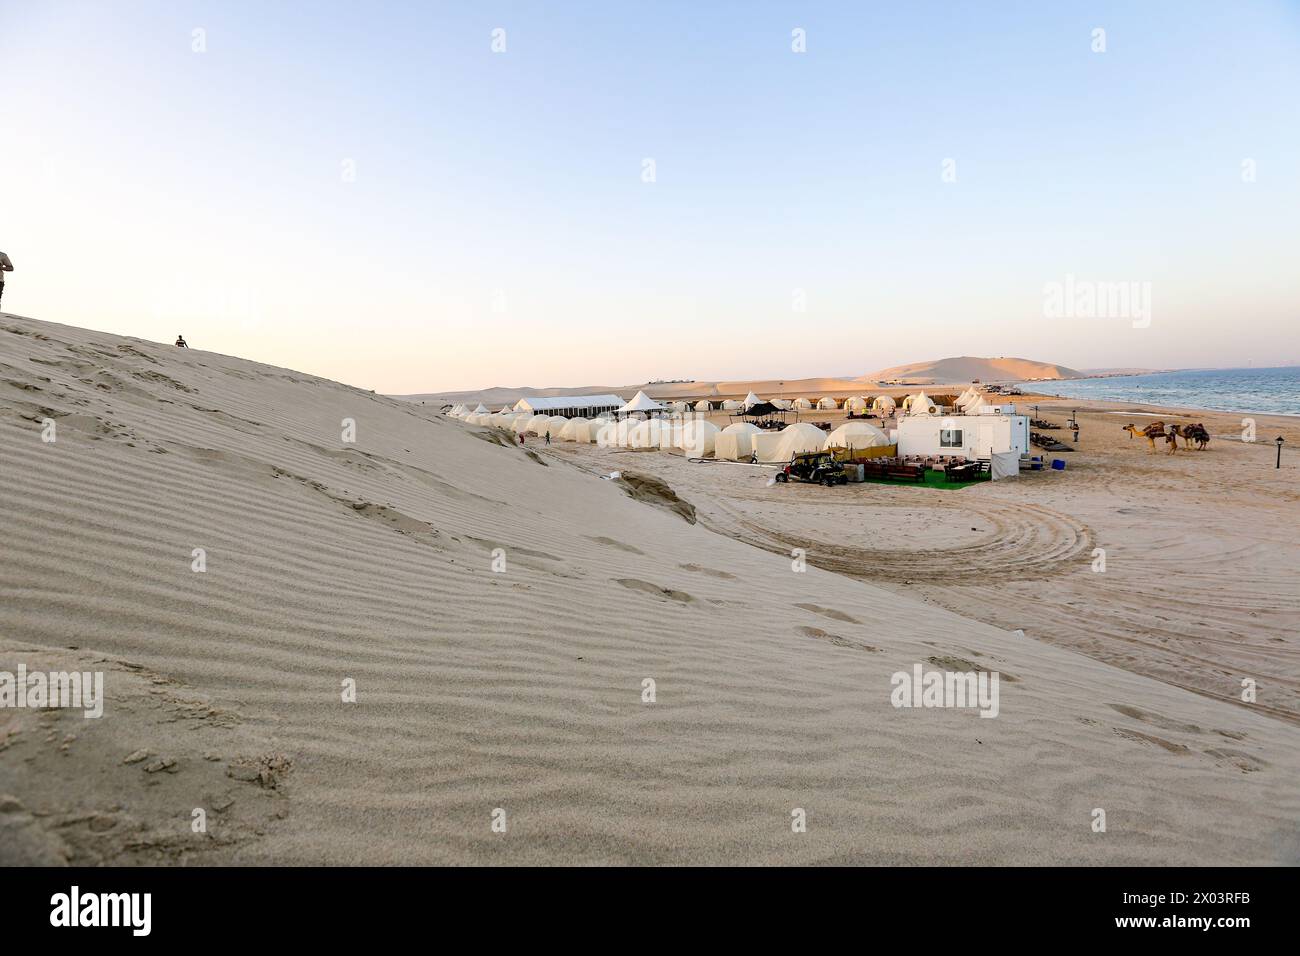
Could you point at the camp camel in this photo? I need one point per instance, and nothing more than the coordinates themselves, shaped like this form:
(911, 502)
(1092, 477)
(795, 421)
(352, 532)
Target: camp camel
(1152, 432)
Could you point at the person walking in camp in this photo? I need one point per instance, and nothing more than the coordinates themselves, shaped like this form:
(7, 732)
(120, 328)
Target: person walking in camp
(548, 438)
(5, 266)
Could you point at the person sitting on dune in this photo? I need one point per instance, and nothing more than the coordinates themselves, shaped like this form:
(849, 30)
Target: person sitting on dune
(5, 266)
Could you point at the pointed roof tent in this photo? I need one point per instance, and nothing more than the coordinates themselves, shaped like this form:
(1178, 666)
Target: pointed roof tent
(641, 402)
(505, 410)
(481, 410)
(921, 405)
(751, 399)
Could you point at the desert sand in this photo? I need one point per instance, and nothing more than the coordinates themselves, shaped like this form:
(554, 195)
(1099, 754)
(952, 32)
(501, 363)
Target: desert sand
(521, 690)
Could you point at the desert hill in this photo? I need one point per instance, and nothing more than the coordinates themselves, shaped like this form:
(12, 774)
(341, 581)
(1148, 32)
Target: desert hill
(352, 630)
(967, 368)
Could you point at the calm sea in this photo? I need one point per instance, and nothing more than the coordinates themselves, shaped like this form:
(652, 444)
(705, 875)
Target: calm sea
(1267, 390)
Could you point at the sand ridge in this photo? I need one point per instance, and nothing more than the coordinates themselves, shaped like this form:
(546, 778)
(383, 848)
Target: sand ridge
(371, 561)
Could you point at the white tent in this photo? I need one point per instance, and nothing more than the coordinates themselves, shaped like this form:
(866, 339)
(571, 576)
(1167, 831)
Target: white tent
(703, 405)
(481, 410)
(856, 435)
(681, 406)
(555, 426)
(670, 434)
(920, 404)
(731, 405)
(856, 404)
(641, 402)
(750, 399)
(645, 434)
(698, 438)
(783, 403)
(735, 442)
(802, 403)
(521, 423)
(765, 445)
(827, 403)
(586, 429)
(623, 433)
(883, 403)
(607, 435)
(799, 438)
(570, 430)
(537, 426)
(505, 410)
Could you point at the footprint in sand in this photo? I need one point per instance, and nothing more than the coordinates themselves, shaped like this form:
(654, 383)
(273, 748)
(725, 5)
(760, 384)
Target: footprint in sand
(709, 571)
(951, 663)
(681, 597)
(615, 544)
(829, 612)
(819, 634)
(1142, 738)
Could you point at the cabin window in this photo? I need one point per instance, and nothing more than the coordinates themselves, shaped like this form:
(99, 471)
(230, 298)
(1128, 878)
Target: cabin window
(950, 438)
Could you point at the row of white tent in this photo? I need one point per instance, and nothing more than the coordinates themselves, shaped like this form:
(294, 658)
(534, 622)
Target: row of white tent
(697, 438)
(969, 402)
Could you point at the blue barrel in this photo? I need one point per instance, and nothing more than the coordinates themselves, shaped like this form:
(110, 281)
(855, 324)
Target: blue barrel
(1058, 464)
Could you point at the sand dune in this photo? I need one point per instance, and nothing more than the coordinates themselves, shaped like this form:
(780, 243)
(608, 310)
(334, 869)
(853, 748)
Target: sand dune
(968, 368)
(371, 561)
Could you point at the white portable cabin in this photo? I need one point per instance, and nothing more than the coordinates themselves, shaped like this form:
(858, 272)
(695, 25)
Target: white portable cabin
(972, 436)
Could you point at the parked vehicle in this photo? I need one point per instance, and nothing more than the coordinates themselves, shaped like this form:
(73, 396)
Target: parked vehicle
(815, 467)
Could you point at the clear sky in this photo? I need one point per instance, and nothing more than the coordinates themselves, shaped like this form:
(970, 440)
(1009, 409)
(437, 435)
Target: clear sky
(367, 191)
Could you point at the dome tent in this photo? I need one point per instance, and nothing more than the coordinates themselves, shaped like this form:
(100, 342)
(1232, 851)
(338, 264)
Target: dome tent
(731, 405)
(521, 423)
(587, 429)
(828, 404)
(670, 435)
(856, 435)
(698, 438)
(607, 435)
(554, 427)
(802, 403)
(703, 405)
(537, 426)
(735, 442)
(784, 404)
(856, 404)
(765, 445)
(799, 438)
(645, 434)
(570, 430)
(884, 403)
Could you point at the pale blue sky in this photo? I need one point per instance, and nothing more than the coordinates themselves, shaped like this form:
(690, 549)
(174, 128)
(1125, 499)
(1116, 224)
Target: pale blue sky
(148, 189)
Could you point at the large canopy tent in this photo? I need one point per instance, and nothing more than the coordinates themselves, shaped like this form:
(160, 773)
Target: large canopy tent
(856, 435)
(641, 402)
(569, 406)
(759, 410)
